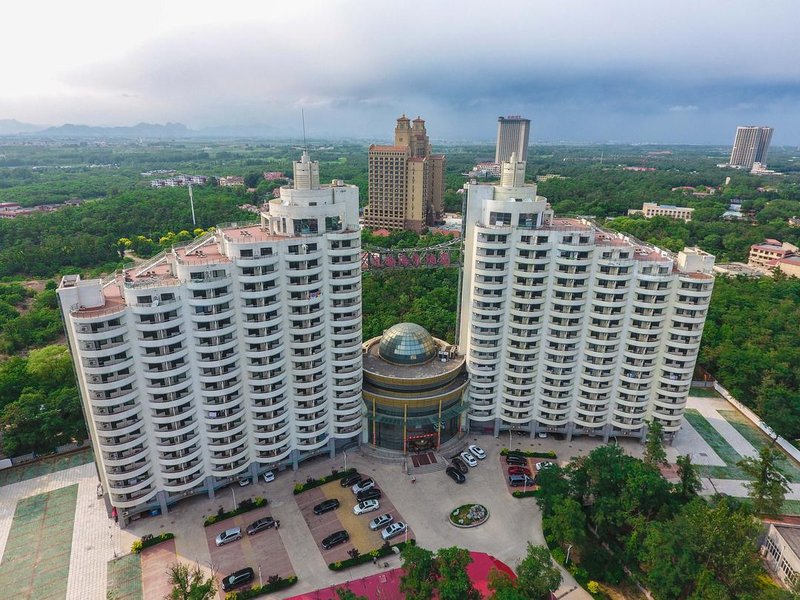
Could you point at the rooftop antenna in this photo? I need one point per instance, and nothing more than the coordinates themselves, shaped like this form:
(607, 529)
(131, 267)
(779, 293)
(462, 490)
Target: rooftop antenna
(303, 117)
(191, 201)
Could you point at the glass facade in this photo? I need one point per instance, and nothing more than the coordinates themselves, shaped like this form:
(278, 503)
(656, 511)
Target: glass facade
(407, 344)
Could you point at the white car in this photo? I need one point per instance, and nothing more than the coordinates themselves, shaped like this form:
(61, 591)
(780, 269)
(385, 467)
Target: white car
(366, 506)
(363, 485)
(244, 481)
(379, 522)
(229, 535)
(469, 459)
(477, 452)
(269, 476)
(393, 530)
(543, 465)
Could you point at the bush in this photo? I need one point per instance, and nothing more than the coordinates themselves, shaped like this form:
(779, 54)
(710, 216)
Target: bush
(273, 585)
(381, 552)
(526, 454)
(244, 506)
(310, 483)
(526, 494)
(150, 540)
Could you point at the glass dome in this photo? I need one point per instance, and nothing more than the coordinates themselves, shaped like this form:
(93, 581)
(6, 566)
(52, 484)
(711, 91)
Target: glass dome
(407, 344)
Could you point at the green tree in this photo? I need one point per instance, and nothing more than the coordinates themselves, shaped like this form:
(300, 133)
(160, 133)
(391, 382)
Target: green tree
(769, 485)
(453, 583)
(51, 366)
(537, 576)
(502, 587)
(689, 483)
(190, 583)
(418, 580)
(567, 523)
(654, 453)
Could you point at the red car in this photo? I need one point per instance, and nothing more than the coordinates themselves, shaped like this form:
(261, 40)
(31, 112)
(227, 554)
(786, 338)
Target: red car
(517, 470)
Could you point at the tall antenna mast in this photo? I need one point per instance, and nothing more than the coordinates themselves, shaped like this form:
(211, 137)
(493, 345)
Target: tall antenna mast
(303, 117)
(191, 201)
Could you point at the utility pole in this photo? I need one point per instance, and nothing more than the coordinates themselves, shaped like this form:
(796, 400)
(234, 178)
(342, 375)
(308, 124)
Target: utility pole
(191, 202)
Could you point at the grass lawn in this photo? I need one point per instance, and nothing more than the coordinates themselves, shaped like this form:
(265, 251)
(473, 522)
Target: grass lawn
(759, 440)
(723, 449)
(704, 392)
(125, 578)
(790, 507)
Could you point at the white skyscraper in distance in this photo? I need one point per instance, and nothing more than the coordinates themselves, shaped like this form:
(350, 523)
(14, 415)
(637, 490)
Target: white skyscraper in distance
(568, 328)
(512, 138)
(750, 146)
(225, 357)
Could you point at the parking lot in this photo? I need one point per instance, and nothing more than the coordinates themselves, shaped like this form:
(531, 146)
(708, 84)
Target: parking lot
(361, 536)
(263, 551)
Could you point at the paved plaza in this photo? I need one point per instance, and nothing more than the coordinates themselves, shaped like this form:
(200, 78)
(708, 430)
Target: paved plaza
(86, 554)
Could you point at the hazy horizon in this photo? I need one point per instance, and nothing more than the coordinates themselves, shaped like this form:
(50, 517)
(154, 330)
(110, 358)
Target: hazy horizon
(618, 70)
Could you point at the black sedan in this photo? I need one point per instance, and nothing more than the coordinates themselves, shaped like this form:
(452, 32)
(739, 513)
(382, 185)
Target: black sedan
(326, 506)
(260, 525)
(455, 474)
(460, 464)
(350, 480)
(338, 537)
(239, 578)
(370, 494)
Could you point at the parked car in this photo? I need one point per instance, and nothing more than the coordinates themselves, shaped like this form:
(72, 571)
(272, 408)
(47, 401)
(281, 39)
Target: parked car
(363, 485)
(477, 452)
(520, 480)
(366, 506)
(381, 521)
(516, 459)
(260, 525)
(460, 464)
(229, 535)
(455, 474)
(244, 481)
(543, 465)
(469, 459)
(518, 470)
(393, 530)
(269, 476)
(370, 494)
(338, 537)
(326, 506)
(239, 578)
(350, 480)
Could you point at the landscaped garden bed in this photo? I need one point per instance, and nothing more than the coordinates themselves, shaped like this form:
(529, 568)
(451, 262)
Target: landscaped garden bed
(469, 515)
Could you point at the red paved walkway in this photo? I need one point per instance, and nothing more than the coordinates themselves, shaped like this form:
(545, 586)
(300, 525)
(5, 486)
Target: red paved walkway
(155, 562)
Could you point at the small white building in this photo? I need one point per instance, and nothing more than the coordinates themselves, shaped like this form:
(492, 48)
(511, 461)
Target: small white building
(781, 549)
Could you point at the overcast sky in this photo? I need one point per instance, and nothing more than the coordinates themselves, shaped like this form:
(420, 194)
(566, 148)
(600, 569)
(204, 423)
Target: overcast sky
(682, 71)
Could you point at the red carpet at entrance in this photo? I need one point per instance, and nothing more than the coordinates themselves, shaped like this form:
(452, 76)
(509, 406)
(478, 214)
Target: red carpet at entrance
(386, 586)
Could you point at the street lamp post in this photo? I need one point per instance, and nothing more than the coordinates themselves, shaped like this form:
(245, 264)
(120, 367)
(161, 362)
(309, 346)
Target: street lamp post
(260, 581)
(566, 561)
(233, 491)
(345, 460)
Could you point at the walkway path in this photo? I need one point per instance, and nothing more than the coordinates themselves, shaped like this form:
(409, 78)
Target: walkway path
(95, 538)
(708, 407)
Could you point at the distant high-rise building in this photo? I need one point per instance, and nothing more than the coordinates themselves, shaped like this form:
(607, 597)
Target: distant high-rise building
(512, 138)
(222, 359)
(750, 146)
(569, 328)
(406, 181)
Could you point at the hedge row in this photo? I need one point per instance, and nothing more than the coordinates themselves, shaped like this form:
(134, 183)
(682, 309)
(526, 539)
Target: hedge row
(506, 452)
(148, 541)
(381, 552)
(244, 506)
(260, 590)
(310, 484)
(526, 494)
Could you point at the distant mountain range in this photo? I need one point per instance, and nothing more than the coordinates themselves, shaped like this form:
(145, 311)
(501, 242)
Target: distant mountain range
(9, 127)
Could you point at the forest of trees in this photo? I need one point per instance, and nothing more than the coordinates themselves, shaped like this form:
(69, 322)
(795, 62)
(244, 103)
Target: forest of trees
(679, 545)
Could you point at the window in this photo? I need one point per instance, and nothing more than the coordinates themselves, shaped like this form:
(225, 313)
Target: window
(333, 223)
(500, 219)
(305, 226)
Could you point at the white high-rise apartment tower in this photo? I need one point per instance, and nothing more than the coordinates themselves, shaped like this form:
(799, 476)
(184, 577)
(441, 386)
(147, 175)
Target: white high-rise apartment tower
(228, 356)
(750, 146)
(512, 138)
(569, 328)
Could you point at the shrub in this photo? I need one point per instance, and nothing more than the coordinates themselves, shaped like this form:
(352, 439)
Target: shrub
(244, 506)
(593, 587)
(274, 584)
(310, 483)
(526, 454)
(150, 540)
(526, 494)
(384, 550)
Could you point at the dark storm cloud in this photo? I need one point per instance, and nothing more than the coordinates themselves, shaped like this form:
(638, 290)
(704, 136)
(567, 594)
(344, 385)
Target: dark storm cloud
(624, 70)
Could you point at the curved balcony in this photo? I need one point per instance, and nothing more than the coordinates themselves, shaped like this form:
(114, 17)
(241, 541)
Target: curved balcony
(190, 456)
(129, 471)
(123, 501)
